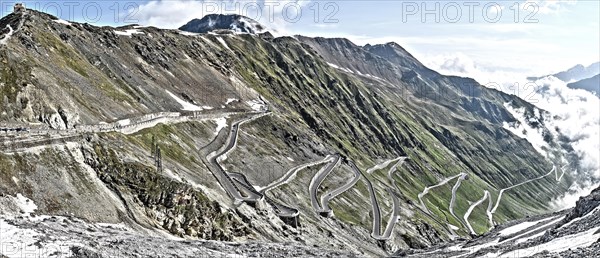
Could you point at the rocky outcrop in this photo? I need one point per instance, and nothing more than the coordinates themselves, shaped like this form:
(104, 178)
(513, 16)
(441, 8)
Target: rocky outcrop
(176, 207)
(61, 119)
(213, 22)
(584, 205)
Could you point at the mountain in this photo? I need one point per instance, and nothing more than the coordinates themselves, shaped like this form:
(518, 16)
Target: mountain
(315, 142)
(576, 73)
(590, 84)
(212, 22)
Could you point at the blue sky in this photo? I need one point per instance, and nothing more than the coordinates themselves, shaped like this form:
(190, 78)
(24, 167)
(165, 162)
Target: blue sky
(490, 41)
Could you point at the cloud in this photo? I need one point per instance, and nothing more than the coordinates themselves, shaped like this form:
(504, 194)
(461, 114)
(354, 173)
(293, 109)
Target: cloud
(551, 6)
(577, 115)
(509, 79)
(169, 14)
(575, 112)
(175, 13)
(512, 27)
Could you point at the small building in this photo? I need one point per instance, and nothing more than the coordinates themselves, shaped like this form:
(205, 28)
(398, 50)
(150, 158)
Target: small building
(19, 7)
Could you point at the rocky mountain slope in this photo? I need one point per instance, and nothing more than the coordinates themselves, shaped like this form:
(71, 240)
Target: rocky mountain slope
(244, 137)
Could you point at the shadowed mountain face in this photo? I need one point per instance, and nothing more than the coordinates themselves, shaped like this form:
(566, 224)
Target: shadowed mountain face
(65, 84)
(590, 84)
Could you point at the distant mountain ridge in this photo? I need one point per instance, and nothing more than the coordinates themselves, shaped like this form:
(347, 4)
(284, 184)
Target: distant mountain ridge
(590, 84)
(233, 22)
(576, 73)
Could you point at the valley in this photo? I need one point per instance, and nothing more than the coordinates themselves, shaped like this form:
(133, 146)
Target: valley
(220, 142)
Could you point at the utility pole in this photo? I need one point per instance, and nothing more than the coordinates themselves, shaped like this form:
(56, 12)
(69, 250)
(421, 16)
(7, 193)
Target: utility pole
(158, 159)
(153, 146)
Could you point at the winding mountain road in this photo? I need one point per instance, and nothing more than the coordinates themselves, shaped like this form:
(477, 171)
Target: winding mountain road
(291, 174)
(462, 177)
(395, 215)
(519, 184)
(426, 190)
(486, 195)
(383, 165)
(376, 230)
(281, 210)
(16, 138)
(334, 193)
(316, 181)
(390, 174)
(213, 158)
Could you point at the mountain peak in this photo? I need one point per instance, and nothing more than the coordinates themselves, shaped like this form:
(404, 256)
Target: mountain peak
(233, 22)
(575, 73)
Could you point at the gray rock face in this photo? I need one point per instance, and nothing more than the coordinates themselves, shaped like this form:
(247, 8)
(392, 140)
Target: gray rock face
(212, 22)
(61, 119)
(584, 205)
(75, 238)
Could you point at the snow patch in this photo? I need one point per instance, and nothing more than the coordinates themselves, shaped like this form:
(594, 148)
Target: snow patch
(560, 244)
(7, 35)
(519, 237)
(124, 122)
(25, 204)
(187, 33)
(521, 226)
(61, 21)
(257, 188)
(128, 33)
(340, 68)
(453, 227)
(222, 41)
(170, 173)
(19, 242)
(230, 101)
(221, 123)
(382, 165)
(257, 105)
(185, 105)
